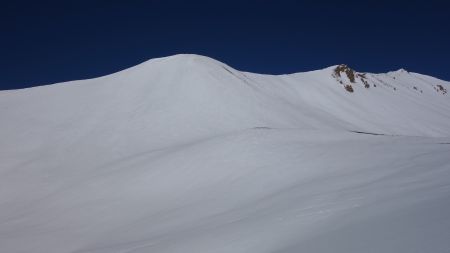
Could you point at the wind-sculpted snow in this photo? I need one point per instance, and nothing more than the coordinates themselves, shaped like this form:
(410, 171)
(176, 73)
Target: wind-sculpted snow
(186, 154)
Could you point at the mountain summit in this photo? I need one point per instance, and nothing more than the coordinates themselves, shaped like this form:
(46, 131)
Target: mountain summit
(191, 95)
(187, 154)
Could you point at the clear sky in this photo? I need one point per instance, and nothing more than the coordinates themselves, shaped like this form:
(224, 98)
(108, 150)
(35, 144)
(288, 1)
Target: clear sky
(44, 42)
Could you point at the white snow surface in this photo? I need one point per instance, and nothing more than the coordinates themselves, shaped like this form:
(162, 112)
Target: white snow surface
(187, 154)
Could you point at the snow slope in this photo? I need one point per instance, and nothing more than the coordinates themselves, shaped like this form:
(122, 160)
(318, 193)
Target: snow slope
(186, 154)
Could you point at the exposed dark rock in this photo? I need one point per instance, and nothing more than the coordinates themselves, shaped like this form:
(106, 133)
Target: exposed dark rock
(348, 88)
(441, 89)
(345, 69)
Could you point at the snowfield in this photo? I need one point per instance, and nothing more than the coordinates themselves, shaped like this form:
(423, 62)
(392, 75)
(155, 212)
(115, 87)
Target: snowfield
(187, 154)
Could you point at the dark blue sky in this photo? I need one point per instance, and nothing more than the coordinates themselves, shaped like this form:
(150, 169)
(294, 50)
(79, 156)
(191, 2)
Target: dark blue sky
(45, 42)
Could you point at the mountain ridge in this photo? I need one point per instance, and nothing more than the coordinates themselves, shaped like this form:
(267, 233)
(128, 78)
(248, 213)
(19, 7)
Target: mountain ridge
(207, 61)
(191, 155)
(170, 90)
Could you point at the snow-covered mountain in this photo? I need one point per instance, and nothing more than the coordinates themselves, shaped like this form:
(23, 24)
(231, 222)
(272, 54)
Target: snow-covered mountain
(187, 154)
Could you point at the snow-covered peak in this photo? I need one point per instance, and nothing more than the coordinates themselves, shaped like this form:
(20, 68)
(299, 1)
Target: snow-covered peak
(186, 154)
(181, 60)
(190, 96)
(402, 70)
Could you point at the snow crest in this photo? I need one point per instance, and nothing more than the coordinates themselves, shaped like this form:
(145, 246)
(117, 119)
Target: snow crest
(187, 154)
